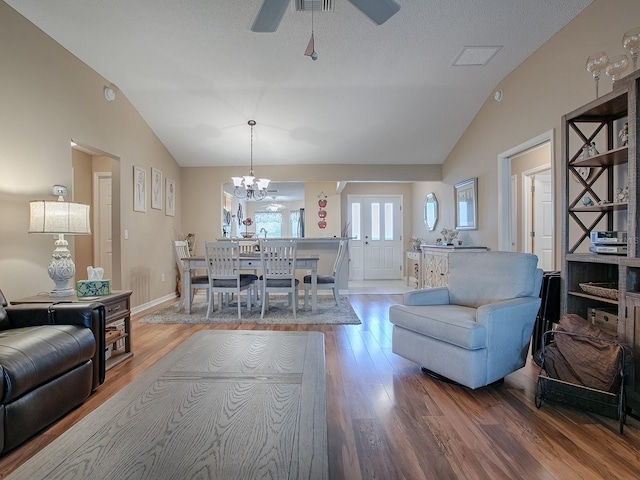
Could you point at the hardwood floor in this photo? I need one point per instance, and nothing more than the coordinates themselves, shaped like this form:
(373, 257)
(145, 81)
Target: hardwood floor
(387, 420)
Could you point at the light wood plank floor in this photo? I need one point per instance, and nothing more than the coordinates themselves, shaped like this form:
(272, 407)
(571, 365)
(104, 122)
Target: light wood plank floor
(387, 420)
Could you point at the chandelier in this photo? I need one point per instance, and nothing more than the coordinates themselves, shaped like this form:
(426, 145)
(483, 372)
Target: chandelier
(247, 186)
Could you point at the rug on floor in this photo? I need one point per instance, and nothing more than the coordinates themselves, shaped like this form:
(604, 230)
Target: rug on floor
(278, 313)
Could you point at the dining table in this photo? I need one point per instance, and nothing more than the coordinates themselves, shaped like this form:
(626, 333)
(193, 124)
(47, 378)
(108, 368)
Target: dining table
(248, 261)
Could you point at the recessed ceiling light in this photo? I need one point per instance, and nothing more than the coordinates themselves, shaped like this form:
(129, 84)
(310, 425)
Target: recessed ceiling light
(475, 56)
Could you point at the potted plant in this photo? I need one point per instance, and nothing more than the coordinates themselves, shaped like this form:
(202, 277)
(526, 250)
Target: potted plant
(449, 235)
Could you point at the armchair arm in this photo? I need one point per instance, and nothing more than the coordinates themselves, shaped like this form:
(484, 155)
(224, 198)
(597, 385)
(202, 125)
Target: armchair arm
(427, 296)
(28, 315)
(89, 315)
(509, 326)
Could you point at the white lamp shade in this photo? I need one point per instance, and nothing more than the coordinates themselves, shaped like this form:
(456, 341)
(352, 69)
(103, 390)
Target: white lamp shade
(59, 217)
(237, 181)
(263, 183)
(248, 180)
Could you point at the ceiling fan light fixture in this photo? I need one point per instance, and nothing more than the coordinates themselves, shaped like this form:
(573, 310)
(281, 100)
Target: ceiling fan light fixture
(311, 51)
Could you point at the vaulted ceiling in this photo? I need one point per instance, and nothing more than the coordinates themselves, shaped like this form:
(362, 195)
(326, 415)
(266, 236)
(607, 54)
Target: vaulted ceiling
(377, 94)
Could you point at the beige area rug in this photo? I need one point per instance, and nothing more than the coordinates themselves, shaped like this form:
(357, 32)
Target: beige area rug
(239, 404)
(278, 313)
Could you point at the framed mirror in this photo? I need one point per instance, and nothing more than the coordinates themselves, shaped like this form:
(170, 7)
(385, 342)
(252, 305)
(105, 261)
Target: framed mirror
(466, 198)
(430, 211)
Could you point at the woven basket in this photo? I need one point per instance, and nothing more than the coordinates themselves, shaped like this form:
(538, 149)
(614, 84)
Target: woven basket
(605, 290)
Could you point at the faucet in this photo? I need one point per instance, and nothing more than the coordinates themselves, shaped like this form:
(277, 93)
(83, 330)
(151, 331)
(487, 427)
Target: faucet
(265, 232)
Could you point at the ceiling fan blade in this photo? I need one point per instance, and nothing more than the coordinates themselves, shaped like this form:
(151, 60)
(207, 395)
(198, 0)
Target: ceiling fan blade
(270, 15)
(377, 10)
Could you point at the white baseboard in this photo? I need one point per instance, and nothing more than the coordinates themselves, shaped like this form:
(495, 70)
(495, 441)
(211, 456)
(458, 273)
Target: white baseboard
(153, 303)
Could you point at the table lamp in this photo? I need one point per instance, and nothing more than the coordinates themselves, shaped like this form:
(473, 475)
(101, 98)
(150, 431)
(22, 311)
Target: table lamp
(60, 218)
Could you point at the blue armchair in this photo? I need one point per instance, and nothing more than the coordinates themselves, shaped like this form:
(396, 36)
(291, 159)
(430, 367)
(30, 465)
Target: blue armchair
(477, 329)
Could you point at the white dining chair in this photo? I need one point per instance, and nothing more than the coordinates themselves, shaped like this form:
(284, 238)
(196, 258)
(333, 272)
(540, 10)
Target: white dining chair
(223, 267)
(278, 259)
(198, 282)
(328, 282)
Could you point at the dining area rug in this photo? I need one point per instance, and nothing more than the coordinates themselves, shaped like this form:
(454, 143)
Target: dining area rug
(279, 313)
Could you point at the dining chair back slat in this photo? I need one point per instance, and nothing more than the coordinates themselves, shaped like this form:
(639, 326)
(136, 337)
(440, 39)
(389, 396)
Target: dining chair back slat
(180, 251)
(223, 267)
(278, 260)
(330, 281)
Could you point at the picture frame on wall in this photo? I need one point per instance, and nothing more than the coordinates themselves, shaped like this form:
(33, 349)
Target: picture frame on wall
(139, 189)
(156, 188)
(466, 201)
(170, 198)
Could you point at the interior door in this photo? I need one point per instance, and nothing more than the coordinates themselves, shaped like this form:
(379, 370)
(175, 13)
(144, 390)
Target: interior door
(543, 220)
(103, 241)
(376, 230)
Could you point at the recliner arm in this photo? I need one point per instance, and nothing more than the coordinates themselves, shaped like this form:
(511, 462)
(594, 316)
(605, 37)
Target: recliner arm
(427, 296)
(89, 315)
(28, 315)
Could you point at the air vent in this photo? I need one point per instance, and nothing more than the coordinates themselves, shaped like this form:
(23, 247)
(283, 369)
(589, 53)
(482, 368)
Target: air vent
(316, 5)
(475, 56)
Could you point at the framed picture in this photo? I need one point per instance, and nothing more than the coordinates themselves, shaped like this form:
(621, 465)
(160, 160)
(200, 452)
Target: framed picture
(170, 198)
(466, 200)
(156, 188)
(139, 189)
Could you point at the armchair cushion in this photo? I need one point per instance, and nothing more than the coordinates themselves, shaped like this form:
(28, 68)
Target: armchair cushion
(485, 282)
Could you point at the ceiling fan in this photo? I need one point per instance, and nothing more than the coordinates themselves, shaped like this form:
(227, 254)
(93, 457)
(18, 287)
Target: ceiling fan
(272, 11)
(273, 206)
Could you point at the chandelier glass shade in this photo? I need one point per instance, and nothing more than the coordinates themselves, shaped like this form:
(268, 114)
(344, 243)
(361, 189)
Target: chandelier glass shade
(247, 186)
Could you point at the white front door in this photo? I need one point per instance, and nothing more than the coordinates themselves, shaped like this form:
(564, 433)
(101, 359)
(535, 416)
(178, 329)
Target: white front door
(376, 230)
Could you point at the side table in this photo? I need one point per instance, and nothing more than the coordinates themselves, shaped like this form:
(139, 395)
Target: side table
(117, 316)
(413, 268)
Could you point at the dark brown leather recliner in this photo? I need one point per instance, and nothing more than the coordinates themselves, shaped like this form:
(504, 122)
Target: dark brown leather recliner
(51, 359)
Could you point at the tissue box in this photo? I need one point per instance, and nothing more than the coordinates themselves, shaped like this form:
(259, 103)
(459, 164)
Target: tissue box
(93, 288)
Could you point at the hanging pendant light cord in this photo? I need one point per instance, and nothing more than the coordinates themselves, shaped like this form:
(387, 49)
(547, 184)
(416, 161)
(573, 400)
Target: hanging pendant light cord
(251, 123)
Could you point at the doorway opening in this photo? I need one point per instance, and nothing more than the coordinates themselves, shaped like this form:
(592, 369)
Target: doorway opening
(96, 182)
(526, 199)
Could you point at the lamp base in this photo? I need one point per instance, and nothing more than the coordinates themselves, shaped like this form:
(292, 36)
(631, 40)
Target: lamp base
(66, 292)
(62, 269)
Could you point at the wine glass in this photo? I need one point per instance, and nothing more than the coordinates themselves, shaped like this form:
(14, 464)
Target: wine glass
(597, 62)
(616, 67)
(631, 41)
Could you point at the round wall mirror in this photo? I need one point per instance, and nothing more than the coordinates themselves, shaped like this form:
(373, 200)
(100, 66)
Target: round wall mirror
(430, 211)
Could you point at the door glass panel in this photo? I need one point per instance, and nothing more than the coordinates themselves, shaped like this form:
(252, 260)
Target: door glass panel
(355, 221)
(388, 221)
(375, 221)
